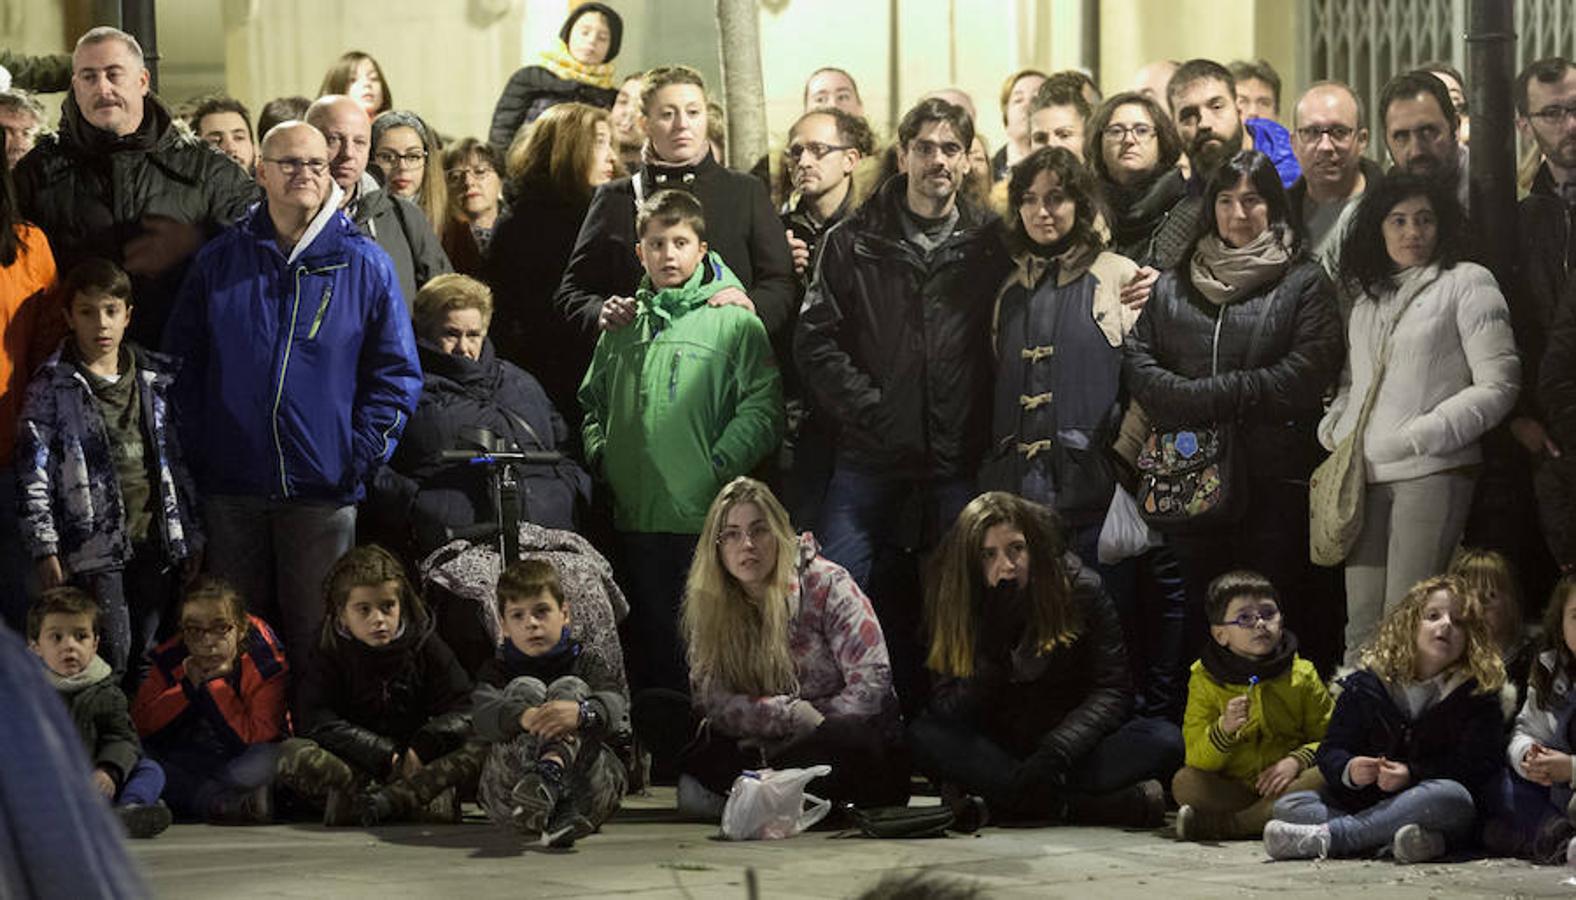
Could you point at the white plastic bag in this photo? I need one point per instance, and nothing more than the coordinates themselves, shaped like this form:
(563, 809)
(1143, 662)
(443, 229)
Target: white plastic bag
(1125, 533)
(770, 804)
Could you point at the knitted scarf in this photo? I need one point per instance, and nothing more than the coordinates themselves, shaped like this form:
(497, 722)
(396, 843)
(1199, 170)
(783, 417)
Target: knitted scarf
(1229, 668)
(1225, 274)
(558, 61)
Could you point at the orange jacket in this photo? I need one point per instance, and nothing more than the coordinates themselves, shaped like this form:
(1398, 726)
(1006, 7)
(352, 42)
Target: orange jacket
(248, 703)
(30, 326)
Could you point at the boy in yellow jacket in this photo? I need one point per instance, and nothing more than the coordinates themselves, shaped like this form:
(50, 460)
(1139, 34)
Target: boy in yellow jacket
(1256, 712)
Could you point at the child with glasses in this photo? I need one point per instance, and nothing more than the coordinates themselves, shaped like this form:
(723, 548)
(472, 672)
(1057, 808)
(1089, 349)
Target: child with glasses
(107, 502)
(1256, 712)
(213, 709)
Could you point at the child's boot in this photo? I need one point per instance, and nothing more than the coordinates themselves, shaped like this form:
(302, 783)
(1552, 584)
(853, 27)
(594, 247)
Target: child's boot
(144, 820)
(535, 796)
(1194, 824)
(1414, 844)
(566, 824)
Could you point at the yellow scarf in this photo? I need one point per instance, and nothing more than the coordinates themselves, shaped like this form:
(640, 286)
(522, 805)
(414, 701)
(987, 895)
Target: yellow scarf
(558, 61)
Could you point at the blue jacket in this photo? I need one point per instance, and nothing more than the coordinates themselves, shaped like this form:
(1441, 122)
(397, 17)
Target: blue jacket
(70, 495)
(300, 372)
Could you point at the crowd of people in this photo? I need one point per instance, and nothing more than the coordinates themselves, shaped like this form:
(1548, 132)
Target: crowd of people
(1012, 472)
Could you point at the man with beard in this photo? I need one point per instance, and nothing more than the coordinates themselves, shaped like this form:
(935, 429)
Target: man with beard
(893, 347)
(625, 119)
(1421, 130)
(120, 181)
(1545, 96)
(1329, 139)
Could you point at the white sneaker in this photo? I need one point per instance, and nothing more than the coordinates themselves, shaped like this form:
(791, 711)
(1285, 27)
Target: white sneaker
(1570, 853)
(697, 801)
(1286, 840)
(1415, 844)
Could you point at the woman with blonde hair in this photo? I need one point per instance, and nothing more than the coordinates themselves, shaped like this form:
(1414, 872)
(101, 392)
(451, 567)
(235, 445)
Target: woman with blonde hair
(1416, 740)
(406, 150)
(1032, 699)
(551, 175)
(788, 665)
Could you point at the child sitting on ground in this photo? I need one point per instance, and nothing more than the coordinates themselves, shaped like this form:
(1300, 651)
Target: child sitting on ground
(62, 628)
(213, 708)
(1416, 738)
(548, 708)
(1255, 714)
(1532, 818)
(677, 403)
(107, 502)
(384, 706)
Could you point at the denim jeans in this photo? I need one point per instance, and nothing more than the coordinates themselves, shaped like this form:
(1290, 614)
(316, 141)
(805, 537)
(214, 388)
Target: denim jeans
(15, 567)
(277, 553)
(1515, 810)
(195, 779)
(652, 568)
(947, 750)
(143, 786)
(1438, 804)
(133, 601)
(863, 512)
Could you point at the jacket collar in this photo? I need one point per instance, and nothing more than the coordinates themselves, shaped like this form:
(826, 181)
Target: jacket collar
(1029, 267)
(709, 277)
(324, 235)
(146, 364)
(883, 213)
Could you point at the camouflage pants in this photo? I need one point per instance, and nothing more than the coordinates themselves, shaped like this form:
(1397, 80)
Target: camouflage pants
(594, 775)
(312, 772)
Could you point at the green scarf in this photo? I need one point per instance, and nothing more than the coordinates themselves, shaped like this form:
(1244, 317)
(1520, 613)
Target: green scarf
(668, 304)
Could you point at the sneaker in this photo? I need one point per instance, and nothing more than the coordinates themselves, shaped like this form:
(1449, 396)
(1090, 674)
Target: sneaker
(1142, 805)
(1551, 844)
(339, 810)
(1187, 823)
(144, 820)
(532, 800)
(1415, 844)
(565, 826)
(1570, 853)
(1196, 825)
(969, 813)
(697, 801)
(1286, 840)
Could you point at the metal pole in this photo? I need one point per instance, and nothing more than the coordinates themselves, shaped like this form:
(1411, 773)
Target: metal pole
(137, 18)
(1491, 67)
(894, 70)
(1090, 18)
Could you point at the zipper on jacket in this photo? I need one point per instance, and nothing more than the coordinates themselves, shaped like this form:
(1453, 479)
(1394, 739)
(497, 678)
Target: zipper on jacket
(1214, 349)
(673, 376)
(279, 389)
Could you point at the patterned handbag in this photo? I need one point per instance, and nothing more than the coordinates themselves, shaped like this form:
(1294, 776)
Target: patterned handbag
(1185, 478)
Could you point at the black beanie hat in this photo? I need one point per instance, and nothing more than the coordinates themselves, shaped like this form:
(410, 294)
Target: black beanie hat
(615, 26)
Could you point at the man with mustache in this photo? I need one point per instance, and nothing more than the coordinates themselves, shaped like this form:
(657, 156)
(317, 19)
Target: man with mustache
(120, 181)
(1329, 139)
(893, 343)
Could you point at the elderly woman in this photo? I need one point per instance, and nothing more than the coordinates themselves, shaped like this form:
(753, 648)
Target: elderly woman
(475, 183)
(405, 150)
(1243, 338)
(468, 387)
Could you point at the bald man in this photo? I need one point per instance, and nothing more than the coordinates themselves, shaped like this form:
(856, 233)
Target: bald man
(1329, 138)
(398, 225)
(299, 374)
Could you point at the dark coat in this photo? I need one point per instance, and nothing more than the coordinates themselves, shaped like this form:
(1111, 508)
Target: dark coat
(895, 346)
(741, 227)
(1275, 395)
(1545, 258)
(1056, 706)
(1137, 213)
(497, 715)
(458, 394)
(365, 704)
(524, 263)
(403, 231)
(530, 91)
(90, 191)
(103, 720)
(1460, 738)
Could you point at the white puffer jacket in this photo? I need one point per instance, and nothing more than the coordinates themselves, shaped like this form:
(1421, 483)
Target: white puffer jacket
(1453, 372)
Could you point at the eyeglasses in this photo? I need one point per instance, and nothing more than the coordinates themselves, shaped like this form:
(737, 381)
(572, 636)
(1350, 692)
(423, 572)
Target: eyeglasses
(1267, 613)
(195, 633)
(1554, 115)
(1119, 133)
(293, 165)
(817, 150)
(388, 159)
(457, 177)
(1312, 134)
(756, 535)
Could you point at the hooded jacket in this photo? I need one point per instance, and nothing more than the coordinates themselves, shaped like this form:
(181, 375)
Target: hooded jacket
(431, 494)
(364, 704)
(680, 402)
(895, 345)
(403, 231)
(299, 371)
(70, 494)
(90, 190)
(103, 720)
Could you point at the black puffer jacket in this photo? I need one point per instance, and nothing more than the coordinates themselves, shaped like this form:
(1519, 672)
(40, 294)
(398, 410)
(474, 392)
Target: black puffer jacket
(1460, 738)
(1275, 394)
(1056, 705)
(740, 225)
(530, 92)
(90, 190)
(488, 393)
(1545, 259)
(895, 347)
(365, 704)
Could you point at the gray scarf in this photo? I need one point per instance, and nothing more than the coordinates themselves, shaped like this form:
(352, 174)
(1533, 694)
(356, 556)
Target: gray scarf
(1227, 274)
